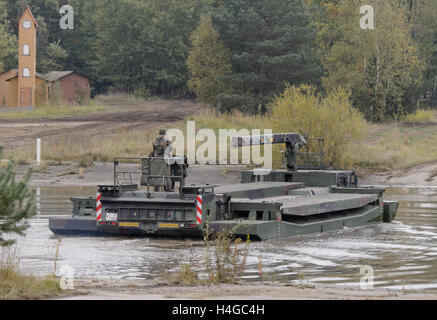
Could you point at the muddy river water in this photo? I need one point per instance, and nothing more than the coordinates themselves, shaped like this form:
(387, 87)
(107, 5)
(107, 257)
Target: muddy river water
(402, 254)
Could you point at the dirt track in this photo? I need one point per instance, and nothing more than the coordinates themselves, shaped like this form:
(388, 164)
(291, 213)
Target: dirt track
(127, 116)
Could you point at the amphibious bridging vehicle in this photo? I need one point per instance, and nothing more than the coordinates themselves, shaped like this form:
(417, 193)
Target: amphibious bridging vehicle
(301, 199)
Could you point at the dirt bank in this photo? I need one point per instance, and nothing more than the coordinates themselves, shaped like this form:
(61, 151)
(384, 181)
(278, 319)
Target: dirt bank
(421, 175)
(70, 174)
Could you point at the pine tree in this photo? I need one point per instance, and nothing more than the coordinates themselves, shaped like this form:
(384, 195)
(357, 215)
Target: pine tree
(208, 61)
(53, 59)
(271, 42)
(144, 44)
(16, 202)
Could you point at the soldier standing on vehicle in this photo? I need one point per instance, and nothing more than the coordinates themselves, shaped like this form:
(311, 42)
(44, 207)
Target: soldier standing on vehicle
(161, 144)
(162, 147)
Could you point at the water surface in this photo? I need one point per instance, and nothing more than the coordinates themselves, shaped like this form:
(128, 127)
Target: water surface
(403, 254)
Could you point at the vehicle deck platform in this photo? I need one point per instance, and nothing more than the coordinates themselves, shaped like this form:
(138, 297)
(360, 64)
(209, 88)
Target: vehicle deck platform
(306, 206)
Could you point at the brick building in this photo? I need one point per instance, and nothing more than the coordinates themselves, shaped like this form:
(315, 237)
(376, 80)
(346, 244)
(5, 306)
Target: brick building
(24, 87)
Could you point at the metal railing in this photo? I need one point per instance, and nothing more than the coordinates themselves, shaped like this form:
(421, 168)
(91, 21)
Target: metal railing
(127, 175)
(314, 155)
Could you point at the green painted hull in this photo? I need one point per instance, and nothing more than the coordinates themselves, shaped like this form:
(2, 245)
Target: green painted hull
(264, 230)
(276, 205)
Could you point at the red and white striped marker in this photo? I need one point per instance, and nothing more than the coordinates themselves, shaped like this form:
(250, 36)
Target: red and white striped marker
(98, 207)
(199, 209)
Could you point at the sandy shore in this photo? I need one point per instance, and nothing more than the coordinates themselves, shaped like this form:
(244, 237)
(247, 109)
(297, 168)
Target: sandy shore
(87, 289)
(420, 175)
(69, 174)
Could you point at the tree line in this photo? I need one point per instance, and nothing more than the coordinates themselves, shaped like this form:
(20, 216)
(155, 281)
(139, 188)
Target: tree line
(240, 54)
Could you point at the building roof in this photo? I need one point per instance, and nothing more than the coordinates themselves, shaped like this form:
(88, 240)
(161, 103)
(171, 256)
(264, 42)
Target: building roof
(56, 75)
(51, 76)
(31, 15)
(13, 75)
(15, 70)
(39, 75)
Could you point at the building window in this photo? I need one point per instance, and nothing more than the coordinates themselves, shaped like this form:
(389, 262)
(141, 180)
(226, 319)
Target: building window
(26, 72)
(26, 50)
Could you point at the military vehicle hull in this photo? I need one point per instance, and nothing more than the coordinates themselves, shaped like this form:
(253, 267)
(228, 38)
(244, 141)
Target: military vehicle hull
(265, 205)
(262, 210)
(75, 226)
(263, 230)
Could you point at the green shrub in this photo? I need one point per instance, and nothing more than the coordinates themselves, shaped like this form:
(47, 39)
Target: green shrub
(302, 110)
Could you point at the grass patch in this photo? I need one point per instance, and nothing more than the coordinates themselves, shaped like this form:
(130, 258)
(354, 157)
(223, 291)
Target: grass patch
(102, 146)
(420, 116)
(237, 120)
(393, 146)
(14, 285)
(51, 112)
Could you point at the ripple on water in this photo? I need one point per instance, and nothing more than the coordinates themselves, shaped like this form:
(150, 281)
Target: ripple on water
(402, 253)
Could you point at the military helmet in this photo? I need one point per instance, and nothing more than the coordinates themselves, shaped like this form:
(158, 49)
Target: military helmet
(162, 131)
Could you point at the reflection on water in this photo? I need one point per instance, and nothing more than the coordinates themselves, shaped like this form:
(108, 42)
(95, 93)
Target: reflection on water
(403, 253)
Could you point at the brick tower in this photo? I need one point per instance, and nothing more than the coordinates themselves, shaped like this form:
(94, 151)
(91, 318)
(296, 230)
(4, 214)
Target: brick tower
(26, 59)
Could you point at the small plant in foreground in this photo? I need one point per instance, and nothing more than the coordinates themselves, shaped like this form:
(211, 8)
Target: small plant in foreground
(15, 285)
(186, 275)
(86, 161)
(224, 261)
(229, 260)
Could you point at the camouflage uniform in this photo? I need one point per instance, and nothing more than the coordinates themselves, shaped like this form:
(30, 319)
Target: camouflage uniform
(161, 144)
(161, 149)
